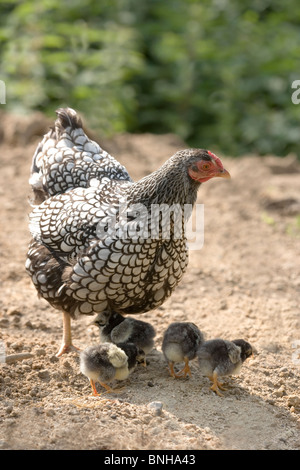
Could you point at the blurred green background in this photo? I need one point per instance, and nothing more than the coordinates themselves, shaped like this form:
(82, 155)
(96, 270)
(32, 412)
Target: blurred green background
(216, 72)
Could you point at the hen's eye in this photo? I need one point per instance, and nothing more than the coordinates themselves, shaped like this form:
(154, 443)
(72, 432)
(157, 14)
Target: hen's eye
(206, 166)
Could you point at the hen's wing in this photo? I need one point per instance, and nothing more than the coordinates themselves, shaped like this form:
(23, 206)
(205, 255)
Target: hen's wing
(66, 158)
(67, 223)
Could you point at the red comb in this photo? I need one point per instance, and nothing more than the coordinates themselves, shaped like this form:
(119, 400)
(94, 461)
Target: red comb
(217, 160)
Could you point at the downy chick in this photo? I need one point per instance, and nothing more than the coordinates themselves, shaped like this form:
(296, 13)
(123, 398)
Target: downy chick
(218, 357)
(107, 362)
(180, 343)
(116, 328)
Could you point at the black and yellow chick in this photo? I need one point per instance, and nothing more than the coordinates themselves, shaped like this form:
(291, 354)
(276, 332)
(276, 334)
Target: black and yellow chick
(218, 357)
(180, 343)
(116, 328)
(107, 362)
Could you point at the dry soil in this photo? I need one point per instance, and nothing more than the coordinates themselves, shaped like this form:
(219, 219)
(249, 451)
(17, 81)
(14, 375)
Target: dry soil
(244, 282)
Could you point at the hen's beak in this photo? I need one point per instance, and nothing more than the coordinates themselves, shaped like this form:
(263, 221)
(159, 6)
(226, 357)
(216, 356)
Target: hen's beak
(224, 174)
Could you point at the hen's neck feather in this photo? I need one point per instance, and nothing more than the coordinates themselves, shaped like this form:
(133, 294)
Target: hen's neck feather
(169, 184)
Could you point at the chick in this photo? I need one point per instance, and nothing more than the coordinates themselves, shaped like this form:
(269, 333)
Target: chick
(218, 357)
(180, 343)
(105, 362)
(115, 328)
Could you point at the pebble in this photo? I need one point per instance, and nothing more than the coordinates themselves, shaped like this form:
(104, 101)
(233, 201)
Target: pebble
(156, 407)
(284, 372)
(147, 419)
(14, 311)
(17, 346)
(294, 401)
(270, 401)
(4, 323)
(280, 392)
(54, 359)
(40, 352)
(66, 364)
(44, 374)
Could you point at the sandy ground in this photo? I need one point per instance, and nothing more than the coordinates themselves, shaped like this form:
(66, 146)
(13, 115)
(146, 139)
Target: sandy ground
(244, 282)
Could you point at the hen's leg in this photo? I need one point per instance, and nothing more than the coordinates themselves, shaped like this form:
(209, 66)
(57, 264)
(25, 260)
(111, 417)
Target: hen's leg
(66, 345)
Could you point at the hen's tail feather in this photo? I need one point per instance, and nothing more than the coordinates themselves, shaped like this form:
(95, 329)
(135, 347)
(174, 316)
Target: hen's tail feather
(66, 117)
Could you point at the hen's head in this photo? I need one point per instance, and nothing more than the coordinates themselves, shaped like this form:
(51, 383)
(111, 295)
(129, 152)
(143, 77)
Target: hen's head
(178, 179)
(204, 165)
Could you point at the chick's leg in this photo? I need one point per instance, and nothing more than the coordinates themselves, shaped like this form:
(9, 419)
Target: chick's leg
(172, 371)
(66, 345)
(144, 363)
(109, 389)
(95, 393)
(186, 370)
(216, 384)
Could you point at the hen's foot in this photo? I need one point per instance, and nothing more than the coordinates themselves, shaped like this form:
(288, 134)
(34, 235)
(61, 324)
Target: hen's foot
(66, 348)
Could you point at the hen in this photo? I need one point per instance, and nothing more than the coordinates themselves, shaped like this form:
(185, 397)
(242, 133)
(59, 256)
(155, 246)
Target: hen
(96, 244)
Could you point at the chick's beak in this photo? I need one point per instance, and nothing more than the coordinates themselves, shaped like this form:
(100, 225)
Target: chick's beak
(223, 174)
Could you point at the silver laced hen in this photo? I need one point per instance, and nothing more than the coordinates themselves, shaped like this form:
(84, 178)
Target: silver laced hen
(96, 245)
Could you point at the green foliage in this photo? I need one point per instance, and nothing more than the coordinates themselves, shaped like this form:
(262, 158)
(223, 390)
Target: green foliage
(216, 72)
(74, 54)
